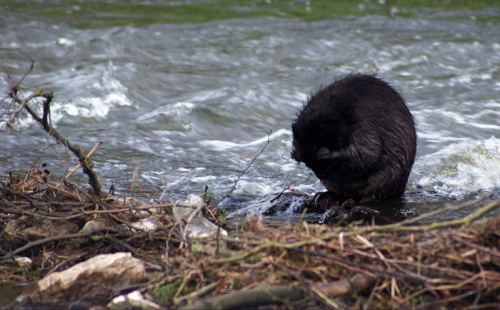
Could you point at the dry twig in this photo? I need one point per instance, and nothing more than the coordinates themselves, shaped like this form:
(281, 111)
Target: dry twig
(245, 170)
(44, 120)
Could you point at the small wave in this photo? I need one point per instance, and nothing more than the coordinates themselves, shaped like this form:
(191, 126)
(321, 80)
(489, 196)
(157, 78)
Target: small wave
(220, 145)
(168, 118)
(460, 169)
(176, 111)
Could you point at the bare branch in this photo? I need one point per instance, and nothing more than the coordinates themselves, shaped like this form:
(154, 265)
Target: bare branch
(85, 161)
(245, 170)
(32, 65)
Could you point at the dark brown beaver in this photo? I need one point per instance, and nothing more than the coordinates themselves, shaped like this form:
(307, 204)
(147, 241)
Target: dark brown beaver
(358, 137)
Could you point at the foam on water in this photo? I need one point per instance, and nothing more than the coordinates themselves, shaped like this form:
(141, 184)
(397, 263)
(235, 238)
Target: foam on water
(109, 93)
(101, 97)
(460, 169)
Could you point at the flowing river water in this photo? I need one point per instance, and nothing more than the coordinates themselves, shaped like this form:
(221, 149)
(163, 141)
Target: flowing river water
(189, 103)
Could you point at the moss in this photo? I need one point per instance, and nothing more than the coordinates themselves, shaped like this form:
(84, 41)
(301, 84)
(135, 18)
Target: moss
(165, 294)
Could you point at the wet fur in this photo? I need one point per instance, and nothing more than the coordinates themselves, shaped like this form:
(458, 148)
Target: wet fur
(358, 136)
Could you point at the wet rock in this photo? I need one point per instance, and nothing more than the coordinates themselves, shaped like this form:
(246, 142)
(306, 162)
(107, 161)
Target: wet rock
(287, 201)
(149, 224)
(95, 225)
(24, 262)
(97, 277)
(348, 214)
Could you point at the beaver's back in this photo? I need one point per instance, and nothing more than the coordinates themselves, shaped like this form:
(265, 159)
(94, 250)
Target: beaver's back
(358, 137)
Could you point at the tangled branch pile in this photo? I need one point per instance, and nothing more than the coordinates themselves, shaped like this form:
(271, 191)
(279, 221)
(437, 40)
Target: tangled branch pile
(55, 225)
(454, 263)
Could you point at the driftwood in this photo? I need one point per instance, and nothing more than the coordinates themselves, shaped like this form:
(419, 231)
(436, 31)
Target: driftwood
(258, 296)
(277, 294)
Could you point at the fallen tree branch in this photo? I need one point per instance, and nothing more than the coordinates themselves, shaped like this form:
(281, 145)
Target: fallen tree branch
(84, 160)
(92, 151)
(258, 296)
(278, 294)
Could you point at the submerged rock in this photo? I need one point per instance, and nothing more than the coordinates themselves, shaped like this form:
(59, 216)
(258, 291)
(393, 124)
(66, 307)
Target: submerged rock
(286, 201)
